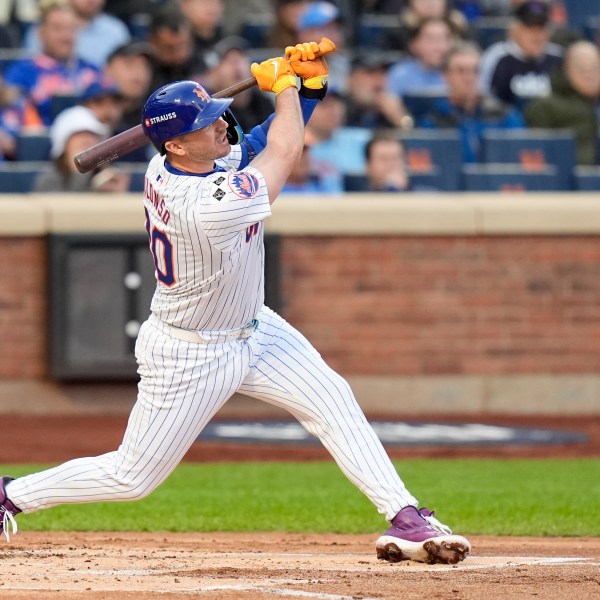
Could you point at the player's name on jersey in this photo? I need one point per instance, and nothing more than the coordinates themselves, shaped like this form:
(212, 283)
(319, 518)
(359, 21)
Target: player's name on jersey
(155, 201)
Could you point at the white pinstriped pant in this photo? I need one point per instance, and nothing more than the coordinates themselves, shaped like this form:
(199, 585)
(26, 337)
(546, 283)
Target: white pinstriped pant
(184, 384)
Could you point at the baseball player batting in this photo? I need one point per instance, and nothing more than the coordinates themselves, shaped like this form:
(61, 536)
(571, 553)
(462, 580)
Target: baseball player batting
(207, 194)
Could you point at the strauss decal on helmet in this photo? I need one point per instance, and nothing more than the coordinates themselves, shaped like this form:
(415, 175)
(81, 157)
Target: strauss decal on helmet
(182, 107)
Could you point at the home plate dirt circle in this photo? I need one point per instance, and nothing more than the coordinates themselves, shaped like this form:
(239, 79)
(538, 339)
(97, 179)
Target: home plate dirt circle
(270, 565)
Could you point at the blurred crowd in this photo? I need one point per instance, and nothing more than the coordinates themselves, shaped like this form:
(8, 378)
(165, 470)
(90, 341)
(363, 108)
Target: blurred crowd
(74, 72)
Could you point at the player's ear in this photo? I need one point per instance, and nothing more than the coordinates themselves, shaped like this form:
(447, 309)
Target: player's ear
(174, 147)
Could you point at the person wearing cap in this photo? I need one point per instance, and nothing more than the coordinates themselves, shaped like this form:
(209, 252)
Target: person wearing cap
(519, 69)
(227, 64)
(324, 19)
(366, 86)
(75, 130)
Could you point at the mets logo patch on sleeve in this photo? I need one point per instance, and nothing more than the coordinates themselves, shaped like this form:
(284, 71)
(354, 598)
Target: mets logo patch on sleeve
(244, 184)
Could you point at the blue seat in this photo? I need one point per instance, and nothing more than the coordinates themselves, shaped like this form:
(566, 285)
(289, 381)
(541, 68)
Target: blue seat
(19, 178)
(136, 183)
(504, 177)
(489, 30)
(578, 12)
(418, 105)
(33, 146)
(533, 149)
(62, 102)
(372, 30)
(587, 178)
(420, 182)
(256, 29)
(437, 153)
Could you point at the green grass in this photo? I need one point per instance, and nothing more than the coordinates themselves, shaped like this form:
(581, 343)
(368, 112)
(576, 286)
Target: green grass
(514, 497)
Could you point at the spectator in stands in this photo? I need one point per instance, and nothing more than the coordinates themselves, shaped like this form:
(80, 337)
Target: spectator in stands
(284, 31)
(386, 165)
(104, 100)
(573, 103)
(205, 18)
(385, 169)
(429, 43)
(519, 68)
(413, 13)
(54, 71)
(173, 46)
(131, 67)
(328, 148)
(9, 95)
(366, 86)
(69, 136)
(465, 108)
(324, 19)
(228, 63)
(98, 33)
(303, 179)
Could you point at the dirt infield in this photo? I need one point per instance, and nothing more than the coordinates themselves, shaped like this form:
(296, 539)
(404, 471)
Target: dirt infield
(260, 566)
(102, 566)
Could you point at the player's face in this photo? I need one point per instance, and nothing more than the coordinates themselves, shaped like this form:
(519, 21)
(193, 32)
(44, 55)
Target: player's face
(205, 145)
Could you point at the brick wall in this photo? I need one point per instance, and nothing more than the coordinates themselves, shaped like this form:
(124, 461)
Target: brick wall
(447, 305)
(391, 305)
(23, 307)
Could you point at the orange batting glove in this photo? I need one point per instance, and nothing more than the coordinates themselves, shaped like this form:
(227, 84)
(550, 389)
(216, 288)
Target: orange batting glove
(274, 75)
(308, 63)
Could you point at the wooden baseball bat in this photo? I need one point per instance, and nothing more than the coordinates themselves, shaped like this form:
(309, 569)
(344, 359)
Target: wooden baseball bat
(134, 138)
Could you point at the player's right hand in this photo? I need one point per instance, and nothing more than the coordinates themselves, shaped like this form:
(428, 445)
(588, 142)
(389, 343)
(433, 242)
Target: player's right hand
(274, 75)
(308, 63)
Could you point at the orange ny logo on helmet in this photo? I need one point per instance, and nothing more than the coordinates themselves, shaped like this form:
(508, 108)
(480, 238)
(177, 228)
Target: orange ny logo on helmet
(201, 93)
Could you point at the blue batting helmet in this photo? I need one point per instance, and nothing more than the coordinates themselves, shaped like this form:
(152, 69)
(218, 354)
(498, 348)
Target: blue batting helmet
(182, 107)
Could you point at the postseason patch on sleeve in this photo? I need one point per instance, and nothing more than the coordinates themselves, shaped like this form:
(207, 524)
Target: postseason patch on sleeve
(243, 184)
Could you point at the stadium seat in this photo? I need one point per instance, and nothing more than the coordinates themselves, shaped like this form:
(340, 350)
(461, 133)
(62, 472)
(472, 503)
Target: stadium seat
(587, 178)
(420, 182)
(137, 171)
(504, 177)
(372, 29)
(418, 105)
(431, 149)
(256, 29)
(489, 30)
(62, 102)
(19, 177)
(533, 149)
(355, 183)
(578, 12)
(33, 146)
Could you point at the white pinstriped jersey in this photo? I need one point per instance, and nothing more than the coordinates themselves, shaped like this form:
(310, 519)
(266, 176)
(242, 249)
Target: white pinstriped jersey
(206, 237)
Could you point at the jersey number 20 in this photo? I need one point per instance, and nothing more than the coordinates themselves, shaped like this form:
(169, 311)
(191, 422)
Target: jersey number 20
(162, 253)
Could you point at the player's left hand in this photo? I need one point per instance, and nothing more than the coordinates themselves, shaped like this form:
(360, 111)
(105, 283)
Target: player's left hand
(274, 74)
(306, 59)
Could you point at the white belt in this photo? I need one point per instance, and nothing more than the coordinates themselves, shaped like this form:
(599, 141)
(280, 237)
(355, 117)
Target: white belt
(207, 337)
